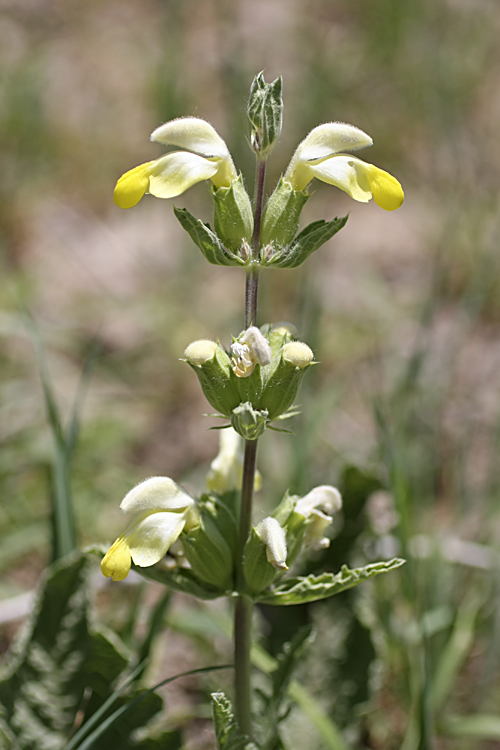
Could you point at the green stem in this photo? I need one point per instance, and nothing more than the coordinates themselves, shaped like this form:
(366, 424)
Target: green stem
(252, 278)
(260, 179)
(244, 605)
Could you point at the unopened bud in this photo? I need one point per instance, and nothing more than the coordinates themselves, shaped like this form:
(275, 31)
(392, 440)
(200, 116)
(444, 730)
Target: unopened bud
(248, 422)
(265, 555)
(200, 352)
(265, 114)
(273, 537)
(213, 368)
(298, 354)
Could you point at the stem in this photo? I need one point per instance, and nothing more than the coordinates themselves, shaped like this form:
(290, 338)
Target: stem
(244, 605)
(260, 179)
(246, 507)
(252, 279)
(251, 291)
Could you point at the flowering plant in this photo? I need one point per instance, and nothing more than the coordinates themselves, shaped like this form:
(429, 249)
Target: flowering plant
(252, 384)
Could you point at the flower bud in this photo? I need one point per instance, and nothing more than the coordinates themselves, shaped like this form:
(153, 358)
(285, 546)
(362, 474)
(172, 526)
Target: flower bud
(200, 352)
(298, 354)
(233, 216)
(212, 366)
(280, 221)
(265, 114)
(248, 422)
(273, 536)
(265, 555)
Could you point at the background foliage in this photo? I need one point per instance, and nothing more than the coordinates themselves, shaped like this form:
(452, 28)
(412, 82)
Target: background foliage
(401, 309)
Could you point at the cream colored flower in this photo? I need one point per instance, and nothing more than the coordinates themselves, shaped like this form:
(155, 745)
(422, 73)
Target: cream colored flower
(318, 507)
(160, 511)
(226, 470)
(273, 536)
(251, 349)
(321, 155)
(206, 157)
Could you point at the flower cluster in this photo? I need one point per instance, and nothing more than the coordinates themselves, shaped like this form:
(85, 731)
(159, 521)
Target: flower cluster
(162, 513)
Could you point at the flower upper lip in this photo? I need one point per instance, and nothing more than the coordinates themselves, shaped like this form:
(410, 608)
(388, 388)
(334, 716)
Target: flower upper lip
(205, 157)
(321, 155)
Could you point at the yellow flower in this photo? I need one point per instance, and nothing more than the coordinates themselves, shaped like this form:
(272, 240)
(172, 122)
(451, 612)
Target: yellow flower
(206, 158)
(161, 510)
(320, 155)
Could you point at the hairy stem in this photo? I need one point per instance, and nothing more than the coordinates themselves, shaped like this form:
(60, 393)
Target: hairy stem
(260, 179)
(252, 278)
(244, 605)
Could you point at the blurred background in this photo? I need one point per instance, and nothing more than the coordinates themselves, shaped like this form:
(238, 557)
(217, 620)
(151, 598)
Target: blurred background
(402, 310)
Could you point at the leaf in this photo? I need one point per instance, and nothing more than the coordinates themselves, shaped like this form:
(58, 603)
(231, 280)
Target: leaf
(207, 241)
(273, 712)
(480, 726)
(455, 651)
(307, 242)
(311, 588)
(43, 683)
(227, 732)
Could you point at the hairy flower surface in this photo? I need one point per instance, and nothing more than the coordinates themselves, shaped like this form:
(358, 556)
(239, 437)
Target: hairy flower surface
(206, 157)
(273, 536)
(251, 349)
(318, 507)
(160, 511)
(320, 155)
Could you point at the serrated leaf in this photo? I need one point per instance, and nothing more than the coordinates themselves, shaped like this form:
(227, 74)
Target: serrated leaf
(207, 241)
(227, 732)
(312, 588)
(106, 660)
(307, 242)
(43, 682)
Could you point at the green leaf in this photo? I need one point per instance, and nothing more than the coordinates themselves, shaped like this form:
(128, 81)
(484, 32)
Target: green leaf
(455, 651)
(311, 588)
(208, 242)
(273, 708)
(43, 683)
(227, 732)
(307, 242)
(106, 660)
(480, 726)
